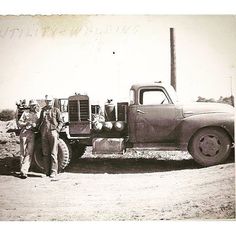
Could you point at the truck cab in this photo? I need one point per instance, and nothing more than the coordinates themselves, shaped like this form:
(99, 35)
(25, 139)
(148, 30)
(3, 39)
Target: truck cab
(153, 114)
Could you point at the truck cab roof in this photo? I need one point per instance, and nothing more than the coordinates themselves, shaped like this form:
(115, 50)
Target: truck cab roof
(149, 84)
(157, 84)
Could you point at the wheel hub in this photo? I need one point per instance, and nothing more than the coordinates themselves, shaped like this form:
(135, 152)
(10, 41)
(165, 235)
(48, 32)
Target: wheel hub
(209, 145)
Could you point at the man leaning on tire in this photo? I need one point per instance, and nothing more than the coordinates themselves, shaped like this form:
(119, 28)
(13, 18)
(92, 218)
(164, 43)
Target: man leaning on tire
(50, 123)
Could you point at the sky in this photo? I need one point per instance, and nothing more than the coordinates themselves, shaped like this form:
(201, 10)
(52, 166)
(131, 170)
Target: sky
(103, 55)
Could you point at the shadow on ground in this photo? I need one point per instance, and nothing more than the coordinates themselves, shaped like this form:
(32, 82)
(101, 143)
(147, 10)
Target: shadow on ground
(133, 165)
(125, 166)
(8, 166)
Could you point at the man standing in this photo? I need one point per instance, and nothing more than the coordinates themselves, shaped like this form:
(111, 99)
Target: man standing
(50, 123)
(27, 123)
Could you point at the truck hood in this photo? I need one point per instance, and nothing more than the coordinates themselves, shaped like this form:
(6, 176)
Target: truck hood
(198, 108)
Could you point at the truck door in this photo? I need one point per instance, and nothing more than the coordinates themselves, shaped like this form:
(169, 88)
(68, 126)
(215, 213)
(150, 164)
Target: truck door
(154, 116)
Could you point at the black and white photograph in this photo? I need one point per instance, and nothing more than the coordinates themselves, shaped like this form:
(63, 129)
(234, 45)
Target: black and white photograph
(117, 117)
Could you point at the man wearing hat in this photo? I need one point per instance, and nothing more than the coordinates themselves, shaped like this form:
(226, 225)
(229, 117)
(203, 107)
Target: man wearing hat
(27, 122)
(50, 124)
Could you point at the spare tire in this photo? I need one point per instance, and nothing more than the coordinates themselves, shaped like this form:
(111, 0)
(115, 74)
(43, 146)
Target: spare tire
(64, 155)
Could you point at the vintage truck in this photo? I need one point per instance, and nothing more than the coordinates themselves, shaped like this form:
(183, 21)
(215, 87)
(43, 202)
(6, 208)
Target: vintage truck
(152, 119)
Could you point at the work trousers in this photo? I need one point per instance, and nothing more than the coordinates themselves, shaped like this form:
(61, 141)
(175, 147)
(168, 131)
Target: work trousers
(50, 141)
(27, 141)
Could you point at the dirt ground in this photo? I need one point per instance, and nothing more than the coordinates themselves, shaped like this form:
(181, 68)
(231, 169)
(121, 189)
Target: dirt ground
(140, 185)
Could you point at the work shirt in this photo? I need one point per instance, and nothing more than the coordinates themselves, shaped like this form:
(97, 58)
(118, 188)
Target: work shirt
(27, 119)
(50, 119)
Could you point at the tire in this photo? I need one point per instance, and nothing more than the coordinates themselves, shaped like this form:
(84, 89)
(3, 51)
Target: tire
(78, 150)
(64, 155)
(210, 146)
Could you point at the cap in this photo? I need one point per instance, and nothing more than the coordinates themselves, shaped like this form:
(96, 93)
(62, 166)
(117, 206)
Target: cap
(32, 102)
(48, 98)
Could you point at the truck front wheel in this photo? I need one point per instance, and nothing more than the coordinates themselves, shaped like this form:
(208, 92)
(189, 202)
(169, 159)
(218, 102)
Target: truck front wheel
(210, 146)
(64, 153)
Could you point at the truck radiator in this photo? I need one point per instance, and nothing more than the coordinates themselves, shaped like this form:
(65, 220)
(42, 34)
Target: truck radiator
(79, 115)
(84, 110)
(73, 110)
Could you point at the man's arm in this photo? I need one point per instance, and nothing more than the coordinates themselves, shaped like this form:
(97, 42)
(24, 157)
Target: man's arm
(22, 121)
(59, 120)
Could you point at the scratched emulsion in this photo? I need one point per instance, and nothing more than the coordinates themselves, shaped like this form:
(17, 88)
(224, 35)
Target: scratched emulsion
(17, 27)
(54, 26)
(61, 25)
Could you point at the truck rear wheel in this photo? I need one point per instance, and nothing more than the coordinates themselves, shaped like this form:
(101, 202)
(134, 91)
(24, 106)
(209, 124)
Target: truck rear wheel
(64, 155)
(210, 146)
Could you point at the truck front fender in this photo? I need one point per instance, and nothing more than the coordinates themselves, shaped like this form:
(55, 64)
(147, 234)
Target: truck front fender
(190, 125)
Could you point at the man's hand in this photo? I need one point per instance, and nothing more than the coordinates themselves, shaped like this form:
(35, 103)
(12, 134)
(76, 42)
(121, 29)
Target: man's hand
(28, 125)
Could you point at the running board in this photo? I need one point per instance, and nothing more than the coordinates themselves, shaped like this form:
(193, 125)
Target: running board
(155, 147)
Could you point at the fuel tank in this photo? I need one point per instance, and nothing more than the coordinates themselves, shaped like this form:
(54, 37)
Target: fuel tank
(108, 146)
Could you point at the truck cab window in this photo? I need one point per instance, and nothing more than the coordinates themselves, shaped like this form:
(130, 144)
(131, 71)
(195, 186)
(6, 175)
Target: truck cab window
(153, 97)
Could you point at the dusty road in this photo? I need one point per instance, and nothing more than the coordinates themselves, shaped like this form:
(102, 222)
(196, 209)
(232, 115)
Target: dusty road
(103, 190)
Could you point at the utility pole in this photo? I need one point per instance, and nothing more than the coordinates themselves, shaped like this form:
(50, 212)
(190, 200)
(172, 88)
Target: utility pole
(172, 58)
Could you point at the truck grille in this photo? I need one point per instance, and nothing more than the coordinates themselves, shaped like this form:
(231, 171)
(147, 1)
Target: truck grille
(73, 110)
(84, 110)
